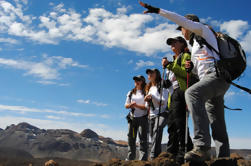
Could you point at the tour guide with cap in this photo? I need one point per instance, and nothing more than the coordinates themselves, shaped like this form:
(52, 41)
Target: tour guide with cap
(205, 99)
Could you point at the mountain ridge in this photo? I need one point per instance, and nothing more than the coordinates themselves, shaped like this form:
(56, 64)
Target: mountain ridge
(62, 143)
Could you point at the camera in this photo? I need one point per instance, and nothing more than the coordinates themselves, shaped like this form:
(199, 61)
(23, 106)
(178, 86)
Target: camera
(129, 117)
(167, 84)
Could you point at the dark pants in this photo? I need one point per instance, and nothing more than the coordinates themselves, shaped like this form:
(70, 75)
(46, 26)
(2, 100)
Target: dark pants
(138, 126)
(177, 124)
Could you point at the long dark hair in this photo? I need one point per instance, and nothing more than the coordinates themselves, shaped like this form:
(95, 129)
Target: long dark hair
(143, 85)
(186, 50)
(157, 80)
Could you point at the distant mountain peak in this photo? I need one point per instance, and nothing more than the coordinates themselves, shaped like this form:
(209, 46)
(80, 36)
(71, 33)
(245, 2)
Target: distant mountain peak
(26, 126)
(60, 143)
(88, 133)
(22, 126)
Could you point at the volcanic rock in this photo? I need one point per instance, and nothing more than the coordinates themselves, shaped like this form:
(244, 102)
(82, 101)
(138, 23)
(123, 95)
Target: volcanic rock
(167, 159)
(88, 133)
(61, 143)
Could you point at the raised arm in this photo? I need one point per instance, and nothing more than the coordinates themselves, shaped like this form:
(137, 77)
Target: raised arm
(195, 27)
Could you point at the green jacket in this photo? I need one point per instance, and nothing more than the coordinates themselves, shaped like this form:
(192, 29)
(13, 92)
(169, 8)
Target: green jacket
(179, 70)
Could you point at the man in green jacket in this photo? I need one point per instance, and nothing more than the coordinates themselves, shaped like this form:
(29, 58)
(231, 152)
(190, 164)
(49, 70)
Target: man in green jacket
(177, 106)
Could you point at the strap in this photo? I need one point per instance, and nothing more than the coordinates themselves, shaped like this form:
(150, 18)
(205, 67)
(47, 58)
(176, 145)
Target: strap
(234, 84)
(130, 98)
(233, 109)
(241, 87)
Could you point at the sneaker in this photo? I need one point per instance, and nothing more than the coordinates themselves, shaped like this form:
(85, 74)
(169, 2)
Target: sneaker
(198, 154)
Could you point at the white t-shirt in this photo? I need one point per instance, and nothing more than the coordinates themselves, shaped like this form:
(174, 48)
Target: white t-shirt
(203, 58)
(156, 100)
(139, 99)
(172, 78)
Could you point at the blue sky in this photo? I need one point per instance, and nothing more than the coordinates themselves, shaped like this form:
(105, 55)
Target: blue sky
(69, 64)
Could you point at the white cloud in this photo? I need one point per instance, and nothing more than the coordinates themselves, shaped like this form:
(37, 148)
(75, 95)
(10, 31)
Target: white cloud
(249, 61)
(130, 62)
(105, 116)
(230, 94)
(171, 1)
(99, 27)
(91, 102)
(246, 42)
(210, 21)
(8, 40)
(84, 101)
(99, 104)
(41, 123)
(46, 82)
(235, 28)
(23, 109)
(53, 117)
(142, 63)
(47, 69)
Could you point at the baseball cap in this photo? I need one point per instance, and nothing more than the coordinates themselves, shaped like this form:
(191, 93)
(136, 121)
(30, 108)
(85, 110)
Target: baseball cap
(140, 78)
(169, 41)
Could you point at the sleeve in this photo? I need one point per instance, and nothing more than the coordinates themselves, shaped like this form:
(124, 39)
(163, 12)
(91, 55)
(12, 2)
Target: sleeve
(196, 27)
(127, 98)
(177, 69)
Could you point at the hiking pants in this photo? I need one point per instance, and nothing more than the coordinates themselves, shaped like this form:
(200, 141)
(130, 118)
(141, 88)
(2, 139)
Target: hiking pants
(156, 133)
(138, 126)
(205, 101)
(177, 124)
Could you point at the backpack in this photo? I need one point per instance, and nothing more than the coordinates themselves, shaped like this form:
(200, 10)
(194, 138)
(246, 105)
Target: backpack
(129, 118)
(232, 61)
(232, 56)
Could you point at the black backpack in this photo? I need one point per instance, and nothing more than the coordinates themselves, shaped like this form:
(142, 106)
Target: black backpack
(232, 56)
(232, 61)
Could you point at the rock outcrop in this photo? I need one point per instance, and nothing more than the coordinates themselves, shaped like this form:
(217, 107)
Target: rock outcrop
(166, 159)
(88, 133)
(61, 143)
(51, 163)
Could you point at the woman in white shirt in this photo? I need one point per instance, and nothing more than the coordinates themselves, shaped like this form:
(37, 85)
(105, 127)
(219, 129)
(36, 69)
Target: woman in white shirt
(137, 119)
(158, 115)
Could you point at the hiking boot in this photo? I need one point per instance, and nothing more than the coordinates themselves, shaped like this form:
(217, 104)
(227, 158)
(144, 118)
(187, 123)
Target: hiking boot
(180, 158)
(198, 154)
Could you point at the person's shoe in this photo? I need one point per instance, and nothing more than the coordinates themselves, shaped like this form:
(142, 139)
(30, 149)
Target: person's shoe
(180, 158)
(198, 154)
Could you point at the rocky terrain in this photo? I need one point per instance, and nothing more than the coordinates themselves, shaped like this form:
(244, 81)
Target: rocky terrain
(166, 159)
(68, 144)
(27, 145)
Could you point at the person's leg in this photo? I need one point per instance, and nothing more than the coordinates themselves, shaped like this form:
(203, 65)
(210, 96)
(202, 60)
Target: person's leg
(143, 128)
(157, 135)
(196, 97)
(215, 110)
(173, 142)
(180, 116)
(153, 135)
(172, 138)
(195, 100)
(131, 141)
